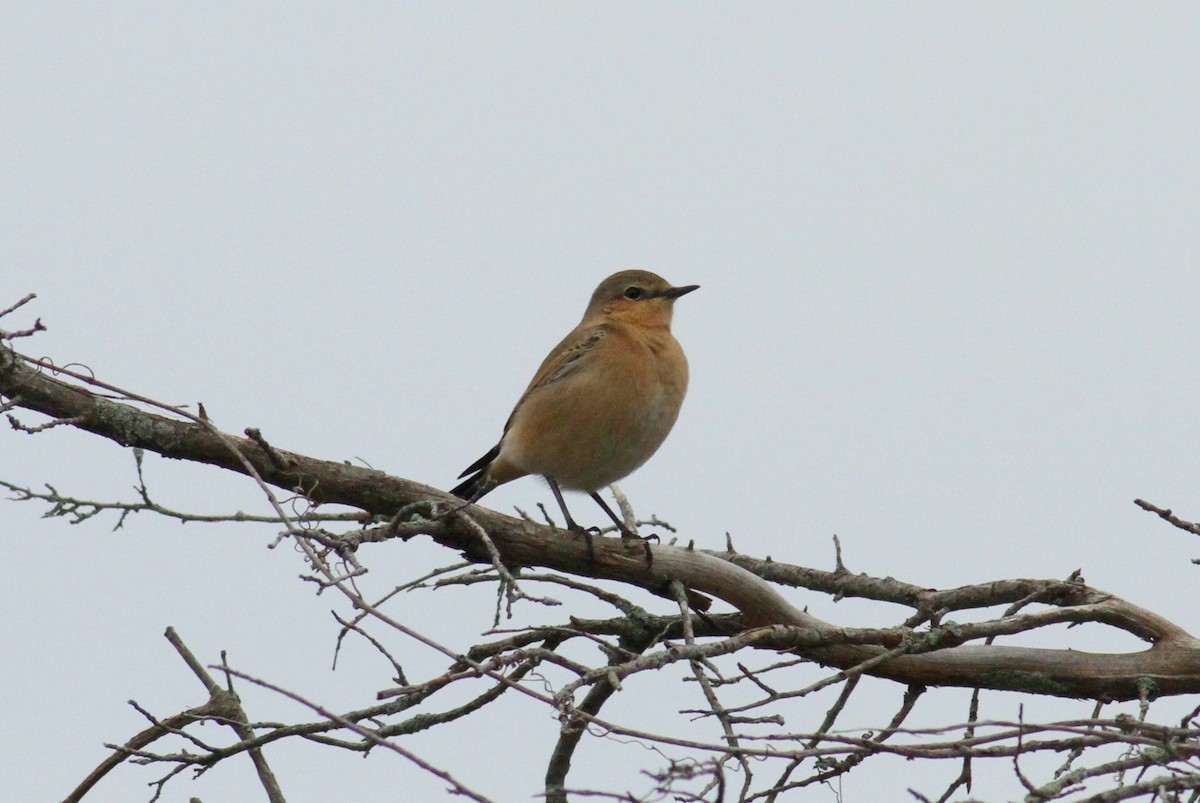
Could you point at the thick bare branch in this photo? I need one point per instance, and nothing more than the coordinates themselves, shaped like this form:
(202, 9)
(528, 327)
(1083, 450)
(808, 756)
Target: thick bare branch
(1171, 666)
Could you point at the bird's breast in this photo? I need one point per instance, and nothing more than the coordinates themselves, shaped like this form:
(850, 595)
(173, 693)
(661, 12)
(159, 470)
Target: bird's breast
(601, 422)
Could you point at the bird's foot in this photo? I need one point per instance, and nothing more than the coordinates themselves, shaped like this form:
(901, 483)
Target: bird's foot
(628, 535)
(589, 534)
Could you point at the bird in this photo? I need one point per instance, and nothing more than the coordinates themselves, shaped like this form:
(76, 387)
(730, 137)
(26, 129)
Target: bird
(602, 402)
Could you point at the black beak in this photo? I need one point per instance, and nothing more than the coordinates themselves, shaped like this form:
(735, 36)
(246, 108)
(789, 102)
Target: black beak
(676, 292)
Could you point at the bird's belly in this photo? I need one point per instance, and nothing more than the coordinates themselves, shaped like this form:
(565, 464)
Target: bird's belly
(590, 435)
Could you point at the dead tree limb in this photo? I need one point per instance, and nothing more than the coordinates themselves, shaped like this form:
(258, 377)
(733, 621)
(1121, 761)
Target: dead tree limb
(912, 657)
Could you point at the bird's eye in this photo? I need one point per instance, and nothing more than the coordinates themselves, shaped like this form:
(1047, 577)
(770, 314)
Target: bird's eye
(634, 293)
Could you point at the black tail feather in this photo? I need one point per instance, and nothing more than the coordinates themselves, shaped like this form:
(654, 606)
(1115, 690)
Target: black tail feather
(472, 489)
(477, 484)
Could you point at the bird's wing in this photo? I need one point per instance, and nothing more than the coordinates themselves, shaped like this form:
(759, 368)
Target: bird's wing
(564, 359)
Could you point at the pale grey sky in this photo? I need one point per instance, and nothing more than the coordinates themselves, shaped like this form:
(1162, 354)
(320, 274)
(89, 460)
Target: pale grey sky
(950, 270)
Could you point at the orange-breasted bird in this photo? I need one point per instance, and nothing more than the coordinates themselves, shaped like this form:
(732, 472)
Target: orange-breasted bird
(603, 400)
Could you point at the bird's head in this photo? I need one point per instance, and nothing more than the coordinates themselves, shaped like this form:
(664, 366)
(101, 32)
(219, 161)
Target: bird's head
(636, 296)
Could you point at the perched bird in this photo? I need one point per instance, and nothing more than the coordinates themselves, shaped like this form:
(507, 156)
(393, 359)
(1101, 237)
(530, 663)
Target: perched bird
(602, 401)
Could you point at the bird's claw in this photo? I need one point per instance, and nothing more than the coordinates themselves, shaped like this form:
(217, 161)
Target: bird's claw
(589, 534)
(628, 536)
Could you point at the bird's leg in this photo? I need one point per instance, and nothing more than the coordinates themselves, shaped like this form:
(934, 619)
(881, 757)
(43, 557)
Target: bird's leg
(625, 531)
(571, 525)
(562, 505)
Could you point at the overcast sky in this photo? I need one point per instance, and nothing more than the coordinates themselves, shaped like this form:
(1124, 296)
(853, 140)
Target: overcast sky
(950, 272)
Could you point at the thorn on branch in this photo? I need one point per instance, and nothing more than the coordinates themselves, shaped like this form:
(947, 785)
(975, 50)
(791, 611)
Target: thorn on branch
(37, 327)
(838, 566)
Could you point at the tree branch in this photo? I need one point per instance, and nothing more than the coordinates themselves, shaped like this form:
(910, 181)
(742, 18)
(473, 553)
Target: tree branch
(1171, 666)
